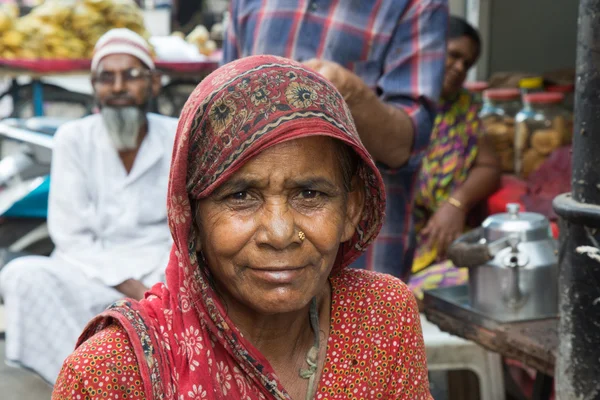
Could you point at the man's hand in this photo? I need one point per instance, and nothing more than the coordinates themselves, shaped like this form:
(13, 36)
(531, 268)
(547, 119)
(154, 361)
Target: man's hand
(385, 130)
(444, 227)
(352, 88)
(132, 288)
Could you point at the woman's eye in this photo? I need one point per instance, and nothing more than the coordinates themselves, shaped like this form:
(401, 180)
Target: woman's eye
(454, 55)
(239, 196)
(309, 194)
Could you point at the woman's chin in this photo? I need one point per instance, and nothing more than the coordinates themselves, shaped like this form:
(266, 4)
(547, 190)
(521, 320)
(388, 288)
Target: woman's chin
(451, 87)
(279, 301)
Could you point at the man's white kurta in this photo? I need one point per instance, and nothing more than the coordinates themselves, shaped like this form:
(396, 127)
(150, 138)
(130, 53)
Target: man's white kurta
(108, 226)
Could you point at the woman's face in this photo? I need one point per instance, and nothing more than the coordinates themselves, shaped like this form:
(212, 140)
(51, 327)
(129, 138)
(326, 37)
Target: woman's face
(249, 226)
(462, 54)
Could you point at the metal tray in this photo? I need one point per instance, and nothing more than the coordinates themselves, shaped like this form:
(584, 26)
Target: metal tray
(454, 300)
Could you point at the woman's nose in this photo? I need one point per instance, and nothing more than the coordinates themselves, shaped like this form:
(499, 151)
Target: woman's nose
(461, 65)
(277, 226)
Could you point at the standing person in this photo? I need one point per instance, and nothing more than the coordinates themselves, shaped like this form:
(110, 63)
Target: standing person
(107, 212)
(459, 170)
(387, 59)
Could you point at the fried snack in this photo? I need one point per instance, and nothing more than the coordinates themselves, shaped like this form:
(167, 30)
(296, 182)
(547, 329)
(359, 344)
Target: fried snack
(490, 119)
(496, 129)
(565, 127)
(500, 132)
(8, 13)
(53, 12)
(11, 9)
(532, 160)
(502, 146)
(85, 19)
(100, 5)
(63, 29)
(510, 133)
(507, 160)
(545, 141)
(198, 36)
(208, 48)
(13, 39)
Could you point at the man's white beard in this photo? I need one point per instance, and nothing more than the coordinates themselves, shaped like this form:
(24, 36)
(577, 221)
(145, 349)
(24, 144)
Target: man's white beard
(123, 125)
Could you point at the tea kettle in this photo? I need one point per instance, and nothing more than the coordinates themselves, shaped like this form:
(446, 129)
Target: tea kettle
(513, 265)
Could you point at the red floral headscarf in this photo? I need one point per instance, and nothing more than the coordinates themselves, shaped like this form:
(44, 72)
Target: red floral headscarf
(181, 330)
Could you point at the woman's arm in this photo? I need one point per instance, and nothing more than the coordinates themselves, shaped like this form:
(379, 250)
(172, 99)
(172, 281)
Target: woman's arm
(483, 178)
(79, 379)
(448, 222)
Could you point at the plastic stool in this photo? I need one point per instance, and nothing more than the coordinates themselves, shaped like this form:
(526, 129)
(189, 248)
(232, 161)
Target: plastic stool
(447, 352)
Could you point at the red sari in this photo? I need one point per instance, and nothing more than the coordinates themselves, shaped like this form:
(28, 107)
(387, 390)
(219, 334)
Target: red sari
(178, 342)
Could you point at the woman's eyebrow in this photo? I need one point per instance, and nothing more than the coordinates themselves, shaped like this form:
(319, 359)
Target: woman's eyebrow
(235, 185)
(241, 184)
(316, 183)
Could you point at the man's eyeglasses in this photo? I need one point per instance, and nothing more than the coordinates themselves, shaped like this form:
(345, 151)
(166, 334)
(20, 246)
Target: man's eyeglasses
(129, 75)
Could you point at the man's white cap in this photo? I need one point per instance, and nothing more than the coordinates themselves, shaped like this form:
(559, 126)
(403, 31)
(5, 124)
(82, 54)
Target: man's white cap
(122, 41)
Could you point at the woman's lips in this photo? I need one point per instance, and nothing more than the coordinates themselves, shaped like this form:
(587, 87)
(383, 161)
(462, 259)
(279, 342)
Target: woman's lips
(454, 78)
(279, 275)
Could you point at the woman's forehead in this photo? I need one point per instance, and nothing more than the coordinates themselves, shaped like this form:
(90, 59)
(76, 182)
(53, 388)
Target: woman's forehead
(301, 158)
(464, 44)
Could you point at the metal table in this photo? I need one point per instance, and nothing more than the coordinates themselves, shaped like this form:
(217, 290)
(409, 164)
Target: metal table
(534, 343)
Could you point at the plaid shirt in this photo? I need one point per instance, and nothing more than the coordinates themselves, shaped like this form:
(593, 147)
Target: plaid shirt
(396, 46)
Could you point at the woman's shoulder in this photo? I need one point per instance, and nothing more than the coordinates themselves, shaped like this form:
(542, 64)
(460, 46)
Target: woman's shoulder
(105, 363)
(375, 337)
(367, 289)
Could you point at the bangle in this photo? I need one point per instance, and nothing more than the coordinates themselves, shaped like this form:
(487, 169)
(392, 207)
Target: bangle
(456, 203)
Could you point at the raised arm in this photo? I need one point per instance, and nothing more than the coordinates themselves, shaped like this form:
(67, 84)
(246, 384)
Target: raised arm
(395, 123)
(231, 49)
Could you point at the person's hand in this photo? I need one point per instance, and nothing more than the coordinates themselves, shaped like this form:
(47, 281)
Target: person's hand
(350, 85)
(444, 227)
(132, 288)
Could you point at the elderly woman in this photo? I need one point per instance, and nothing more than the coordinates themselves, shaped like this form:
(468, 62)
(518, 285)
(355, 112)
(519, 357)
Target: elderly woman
(272, 196)
(459, 170)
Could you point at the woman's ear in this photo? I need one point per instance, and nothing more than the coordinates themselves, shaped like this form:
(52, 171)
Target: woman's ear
(354, 208)
(197, 240)
(196, 226)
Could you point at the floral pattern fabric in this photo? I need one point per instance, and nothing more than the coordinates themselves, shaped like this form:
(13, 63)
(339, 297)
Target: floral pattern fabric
(374, 350)
(180, 333)
(450, 156)
(103, 367)
(443, 274)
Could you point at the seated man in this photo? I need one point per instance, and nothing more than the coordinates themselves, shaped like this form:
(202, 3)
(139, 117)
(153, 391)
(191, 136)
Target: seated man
(107, 212)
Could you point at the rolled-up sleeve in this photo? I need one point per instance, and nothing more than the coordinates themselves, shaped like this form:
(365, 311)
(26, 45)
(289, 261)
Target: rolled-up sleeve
(231, 49)
(414, 67)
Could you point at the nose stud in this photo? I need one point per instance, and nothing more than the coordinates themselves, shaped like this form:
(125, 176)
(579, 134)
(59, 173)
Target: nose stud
(301, 236)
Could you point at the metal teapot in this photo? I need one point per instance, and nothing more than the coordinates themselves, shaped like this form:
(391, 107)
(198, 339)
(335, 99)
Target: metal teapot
(518, 274)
